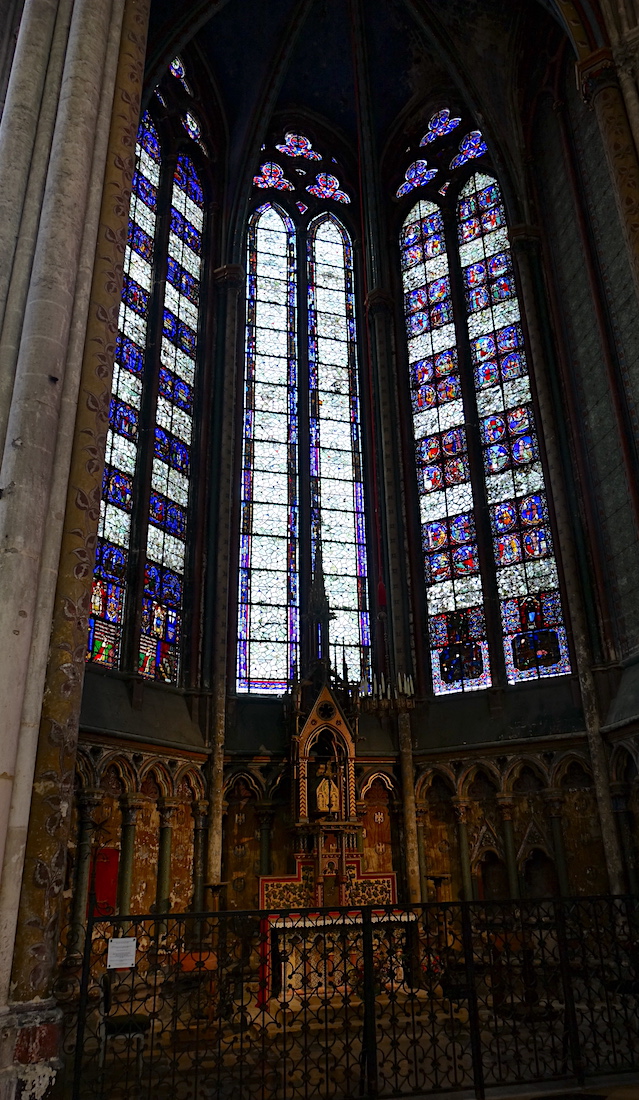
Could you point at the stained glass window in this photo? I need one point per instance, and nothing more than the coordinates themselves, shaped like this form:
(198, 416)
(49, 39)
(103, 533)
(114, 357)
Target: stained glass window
(268, 628)
(271, 175)
(471, 147)
(459, 648)
(327, 187)
(162, 602)
(176, 68)
(114, 530)
(337, 483)
(296, 145)
(416, 175)
(439, 125)
(535, 642)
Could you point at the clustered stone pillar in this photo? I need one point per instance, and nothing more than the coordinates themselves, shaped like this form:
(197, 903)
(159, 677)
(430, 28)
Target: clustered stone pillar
(506, 803)
(600, 87)
(526, 246)
(461, 807)
(88, 801)
(421, 851)
(554, 804)
(409, 807)
(129, 807)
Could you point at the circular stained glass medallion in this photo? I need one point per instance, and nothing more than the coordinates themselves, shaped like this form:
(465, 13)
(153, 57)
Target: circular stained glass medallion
(433, 478)
(493, 428)
(436, 535)
(461, 529)
(505, 516)
(453, 441)
(524, 450)
(497, 458)
(531, 510)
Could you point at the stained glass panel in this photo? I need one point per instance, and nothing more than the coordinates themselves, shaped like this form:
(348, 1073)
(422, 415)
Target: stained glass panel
(535, 642)
(162, 603)
(337, 488)
(268, 615)
(459, 649)
(327, 187)
(109, 580)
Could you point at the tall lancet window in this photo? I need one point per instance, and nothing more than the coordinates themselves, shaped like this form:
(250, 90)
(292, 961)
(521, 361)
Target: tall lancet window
(302, 502)
(336, 474)
(268, 629)
(110, 581)
(142, 553)
(485, 520)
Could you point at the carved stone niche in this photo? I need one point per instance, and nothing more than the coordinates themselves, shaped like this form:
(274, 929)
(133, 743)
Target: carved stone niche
(325, 765)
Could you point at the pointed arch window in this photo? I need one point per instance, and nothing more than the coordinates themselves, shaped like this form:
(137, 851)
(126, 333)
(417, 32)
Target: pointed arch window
(141, 558)
(302, 506)
(485, 520)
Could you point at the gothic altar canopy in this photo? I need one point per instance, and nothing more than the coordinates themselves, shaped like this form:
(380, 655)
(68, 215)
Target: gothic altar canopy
(329, 865)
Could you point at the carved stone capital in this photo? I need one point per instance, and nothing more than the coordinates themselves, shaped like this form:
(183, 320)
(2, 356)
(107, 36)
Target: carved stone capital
(506, 804)
(525, 238)
(554, 800)
(265, 814)
(200, 810)
(596, 72)
(129, 806)
(88, 801)
(461, 806)
(231, 276)
(166, 808)
(379, 301)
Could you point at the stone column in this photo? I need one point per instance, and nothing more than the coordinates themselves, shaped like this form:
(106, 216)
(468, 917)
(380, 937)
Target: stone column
(166, 807)
(554, 802)
(625, 824)
(11, 878)
(230, 281)
(88, 801)
(601, 91)
(506, 803)
(129, 807)
(199, 811)
(35, 951)
(409, 808)
(461, 807)
(265, 818)
(526, 247)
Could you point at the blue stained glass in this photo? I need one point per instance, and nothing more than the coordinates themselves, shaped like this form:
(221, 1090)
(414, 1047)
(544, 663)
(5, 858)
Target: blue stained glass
(187, 180)
(145, 190)
(166, 514)
(327, 187)
(296, 145)
(416, 175)
(129, 354)
(117, 488)
(123, 419)
(140, 241)
(534, 645)
(176, 389)
(186, 231)
(110, 560)
(172, 450)
(470, 147)
(271, 175)
(148, 138)
(439, 125)
(179, 333)
(135, 296)
(182, 280)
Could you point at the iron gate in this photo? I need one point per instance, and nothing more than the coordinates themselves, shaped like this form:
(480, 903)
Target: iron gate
(368, 1002)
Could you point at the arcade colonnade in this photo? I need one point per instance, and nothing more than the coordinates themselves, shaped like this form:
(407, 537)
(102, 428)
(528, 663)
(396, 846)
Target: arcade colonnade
(67, 140)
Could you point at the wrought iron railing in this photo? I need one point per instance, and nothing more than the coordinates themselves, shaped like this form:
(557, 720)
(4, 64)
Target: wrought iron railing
(339, 1004)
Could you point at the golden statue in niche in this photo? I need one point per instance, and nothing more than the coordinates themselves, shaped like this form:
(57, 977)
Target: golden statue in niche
(327, 791)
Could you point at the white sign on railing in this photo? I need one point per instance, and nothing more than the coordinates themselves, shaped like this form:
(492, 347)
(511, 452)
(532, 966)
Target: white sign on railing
(121, 953)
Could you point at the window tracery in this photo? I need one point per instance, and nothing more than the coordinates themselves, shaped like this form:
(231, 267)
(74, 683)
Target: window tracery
(284, 256)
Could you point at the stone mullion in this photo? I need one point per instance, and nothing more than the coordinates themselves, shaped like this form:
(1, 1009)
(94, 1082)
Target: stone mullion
(34, 960)
(230, 280)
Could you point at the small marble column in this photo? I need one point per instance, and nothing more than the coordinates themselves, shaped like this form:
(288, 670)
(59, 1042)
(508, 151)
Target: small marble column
(421, 852)
(88, 801)
(625, 823)
(265, 819)
(409, 807)
(166, 807)
(506, 802)
(199, 810)
(554, 803)
(129, 807)
(461, 807)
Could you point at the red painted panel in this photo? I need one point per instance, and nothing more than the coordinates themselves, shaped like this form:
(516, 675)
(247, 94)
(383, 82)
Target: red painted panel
(104, 866)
